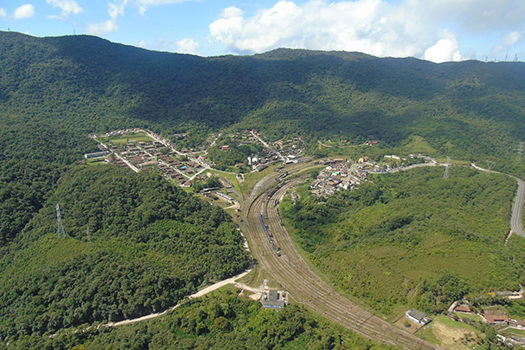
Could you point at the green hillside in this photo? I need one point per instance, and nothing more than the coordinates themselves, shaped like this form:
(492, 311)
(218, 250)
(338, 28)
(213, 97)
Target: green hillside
(149, 245)
(414, 239)
(221, 320)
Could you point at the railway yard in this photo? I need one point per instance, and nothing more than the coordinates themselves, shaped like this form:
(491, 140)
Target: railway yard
(282, 261)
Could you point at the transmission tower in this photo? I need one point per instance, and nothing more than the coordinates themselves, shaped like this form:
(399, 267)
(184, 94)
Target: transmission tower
(60, 229)
(445, 175)
(490, 164)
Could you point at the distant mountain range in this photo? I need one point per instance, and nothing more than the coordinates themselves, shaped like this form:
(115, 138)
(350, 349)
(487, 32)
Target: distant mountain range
(468, 109)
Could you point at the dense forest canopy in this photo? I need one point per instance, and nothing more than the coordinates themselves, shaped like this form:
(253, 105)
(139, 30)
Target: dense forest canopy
(219, 321)
(135, 244)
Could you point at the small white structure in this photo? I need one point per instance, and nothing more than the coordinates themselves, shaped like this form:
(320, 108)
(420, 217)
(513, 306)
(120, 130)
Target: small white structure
(418, 317)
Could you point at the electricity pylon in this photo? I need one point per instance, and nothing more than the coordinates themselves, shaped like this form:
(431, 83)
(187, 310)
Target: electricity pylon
(60, 229)
(445, 175)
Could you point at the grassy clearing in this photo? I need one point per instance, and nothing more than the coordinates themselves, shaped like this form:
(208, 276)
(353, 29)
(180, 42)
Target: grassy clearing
(417, 144)
(469, 316)
(124, 139)
(97, 161)
(251, 179)
(230, 177)
(512, 331)
(451, 334)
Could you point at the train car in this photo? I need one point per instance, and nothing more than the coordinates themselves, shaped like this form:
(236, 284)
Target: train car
(276, 249)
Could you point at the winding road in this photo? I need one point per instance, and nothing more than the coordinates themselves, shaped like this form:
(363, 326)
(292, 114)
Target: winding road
(304, 286)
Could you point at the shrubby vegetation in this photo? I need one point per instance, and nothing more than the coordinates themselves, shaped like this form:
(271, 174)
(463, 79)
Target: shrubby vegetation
(219, 321)
(225, 159)
(149, 245)
(413, 238)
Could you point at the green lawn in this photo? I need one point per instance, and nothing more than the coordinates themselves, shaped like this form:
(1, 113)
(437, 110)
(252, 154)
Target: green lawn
(123, 139)
(512, 331)
(470, 316)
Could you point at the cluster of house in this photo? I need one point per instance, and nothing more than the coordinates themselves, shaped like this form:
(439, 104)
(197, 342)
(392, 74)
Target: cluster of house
(342, 175)
(181, 171)
(288, 151)
(494, 317)
(156, 153)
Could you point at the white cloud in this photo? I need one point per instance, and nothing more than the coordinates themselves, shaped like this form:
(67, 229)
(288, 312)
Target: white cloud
(114, 10)
(444, 50)
(378, 27)
(187, 46)
(511, 38)
(67, 6)
(231, 11)
(506, 42)
(142, 44)
(371, 26)
(3, 14)
(117, 9)
(24, 11)
(145, 4)
(101, 28)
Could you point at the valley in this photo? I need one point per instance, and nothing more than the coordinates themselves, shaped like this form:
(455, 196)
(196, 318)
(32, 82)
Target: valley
(358, 191)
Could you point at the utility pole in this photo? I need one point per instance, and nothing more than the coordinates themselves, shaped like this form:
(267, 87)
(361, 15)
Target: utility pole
(60, 228)
(88, 238)
(446, 174)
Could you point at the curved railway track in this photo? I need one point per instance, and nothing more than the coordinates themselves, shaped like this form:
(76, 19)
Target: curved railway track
(304, 286)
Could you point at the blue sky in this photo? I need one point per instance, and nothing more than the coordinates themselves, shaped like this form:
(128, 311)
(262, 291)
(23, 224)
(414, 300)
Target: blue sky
(437, 30)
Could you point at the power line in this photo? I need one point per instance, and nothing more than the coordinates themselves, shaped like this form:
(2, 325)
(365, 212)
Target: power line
(60, 228)
(446, 174)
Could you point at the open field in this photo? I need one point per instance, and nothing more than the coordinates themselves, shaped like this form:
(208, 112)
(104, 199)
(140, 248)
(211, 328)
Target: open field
(123, 139)
(451, 334)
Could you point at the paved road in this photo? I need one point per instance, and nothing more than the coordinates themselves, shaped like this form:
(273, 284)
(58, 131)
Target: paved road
(304, 286)
(517, 208)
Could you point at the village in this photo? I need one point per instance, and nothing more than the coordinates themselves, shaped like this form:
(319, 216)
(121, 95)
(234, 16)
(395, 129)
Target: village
(340, 174)
(141, 149)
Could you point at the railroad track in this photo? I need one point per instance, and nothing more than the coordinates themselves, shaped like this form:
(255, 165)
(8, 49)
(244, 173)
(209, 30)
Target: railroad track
(303, 285)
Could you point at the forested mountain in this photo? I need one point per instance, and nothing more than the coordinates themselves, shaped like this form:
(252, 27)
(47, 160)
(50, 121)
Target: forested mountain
(455, 106)
(56, 91)
(135, 244)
